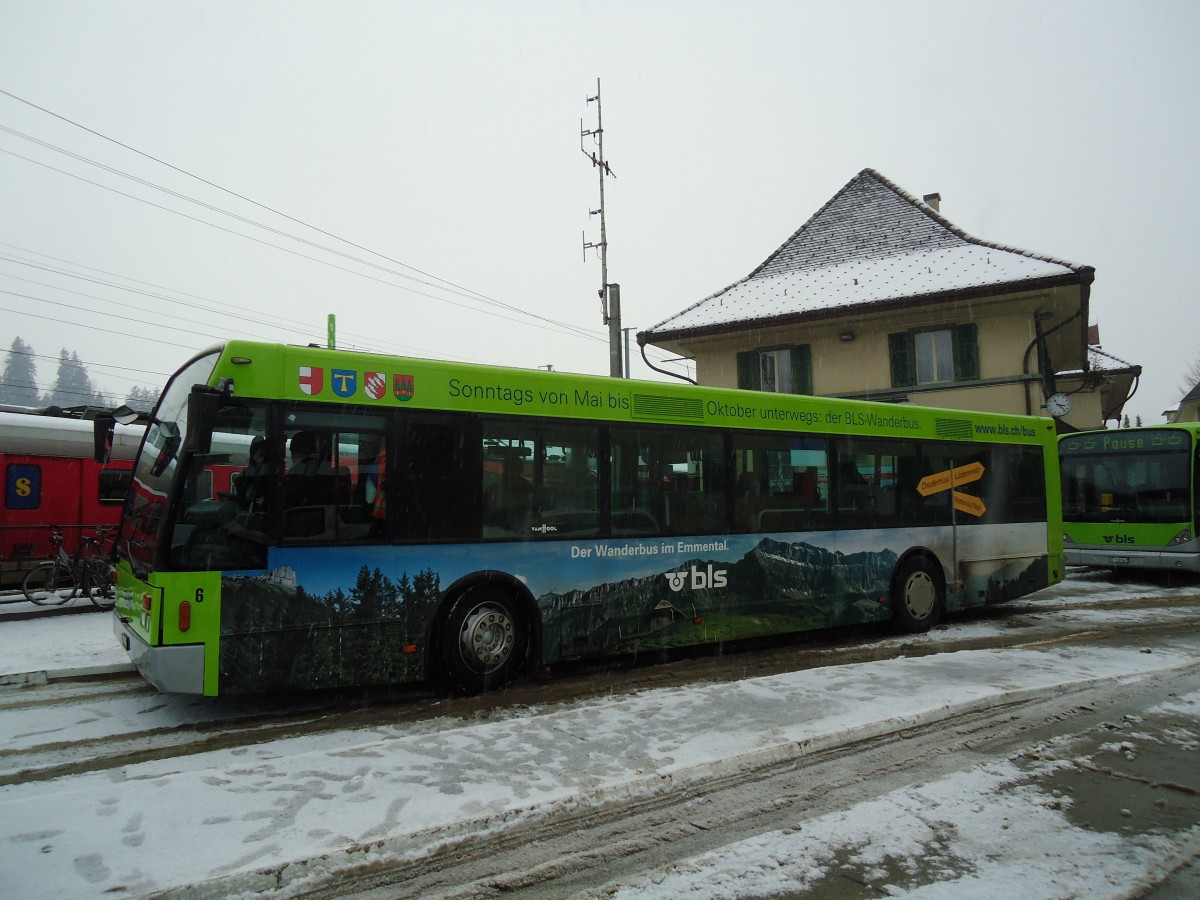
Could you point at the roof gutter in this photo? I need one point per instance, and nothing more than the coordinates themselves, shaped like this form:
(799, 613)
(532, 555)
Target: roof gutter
(1081, 277)
(646, 360)
(1086, 276)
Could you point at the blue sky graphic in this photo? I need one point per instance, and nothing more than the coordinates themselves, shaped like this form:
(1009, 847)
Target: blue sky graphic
(549, 567)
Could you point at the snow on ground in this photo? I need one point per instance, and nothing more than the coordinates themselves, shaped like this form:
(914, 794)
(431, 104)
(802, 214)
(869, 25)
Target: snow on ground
(965, 818)
(59, 643)
(85, 640)
(396, 791)
(1013, 837)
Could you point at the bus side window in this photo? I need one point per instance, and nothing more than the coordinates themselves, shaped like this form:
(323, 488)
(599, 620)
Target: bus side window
(667, 481)
(334, 487)
(438, 492)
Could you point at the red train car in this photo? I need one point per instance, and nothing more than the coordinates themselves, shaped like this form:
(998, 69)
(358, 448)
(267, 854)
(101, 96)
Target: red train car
(51, 478)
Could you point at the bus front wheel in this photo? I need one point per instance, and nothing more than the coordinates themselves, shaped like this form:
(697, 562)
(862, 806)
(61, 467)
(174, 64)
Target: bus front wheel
(918, 596)
(483, 641)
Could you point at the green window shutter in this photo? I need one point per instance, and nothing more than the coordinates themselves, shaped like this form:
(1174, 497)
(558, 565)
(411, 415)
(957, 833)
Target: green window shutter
(747, 370)
(966, 352)
(901, 352)
(801, 357)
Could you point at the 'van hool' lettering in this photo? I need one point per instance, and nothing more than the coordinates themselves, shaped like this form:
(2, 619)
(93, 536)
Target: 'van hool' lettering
(515, 396)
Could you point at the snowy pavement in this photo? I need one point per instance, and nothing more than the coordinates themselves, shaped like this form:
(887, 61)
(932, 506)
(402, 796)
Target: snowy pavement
(276, 817)
(57, 644)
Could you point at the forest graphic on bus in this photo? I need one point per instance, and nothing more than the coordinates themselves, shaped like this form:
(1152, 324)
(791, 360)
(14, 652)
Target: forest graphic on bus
(298, 626)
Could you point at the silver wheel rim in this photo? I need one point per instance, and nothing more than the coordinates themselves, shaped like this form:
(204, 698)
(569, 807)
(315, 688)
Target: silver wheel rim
(487, 637)
(920, 595)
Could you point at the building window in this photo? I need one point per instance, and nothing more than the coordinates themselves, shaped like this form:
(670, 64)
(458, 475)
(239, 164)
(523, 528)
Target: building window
(940, 356)
(779, 370)
(935, 356)
(775, 371)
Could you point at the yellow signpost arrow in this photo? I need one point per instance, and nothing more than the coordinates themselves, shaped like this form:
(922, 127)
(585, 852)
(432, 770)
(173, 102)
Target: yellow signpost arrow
(952, 478)
(969, 503)
(943, 481)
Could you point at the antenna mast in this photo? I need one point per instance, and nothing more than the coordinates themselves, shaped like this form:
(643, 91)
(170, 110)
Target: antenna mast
(610, 294)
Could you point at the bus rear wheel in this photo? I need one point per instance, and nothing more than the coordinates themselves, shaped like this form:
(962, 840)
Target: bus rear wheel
(918, 596)
(483, 642)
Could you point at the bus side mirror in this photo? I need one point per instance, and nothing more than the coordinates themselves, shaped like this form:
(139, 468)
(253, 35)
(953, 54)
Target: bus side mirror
(168, 436)
(203, 404)
(102, 438)
(124, 415)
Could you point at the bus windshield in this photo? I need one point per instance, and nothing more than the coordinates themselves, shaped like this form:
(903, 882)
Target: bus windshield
(156, 466)
(1146, 481)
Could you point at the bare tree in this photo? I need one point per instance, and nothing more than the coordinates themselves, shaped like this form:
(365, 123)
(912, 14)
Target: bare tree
(1191, 379)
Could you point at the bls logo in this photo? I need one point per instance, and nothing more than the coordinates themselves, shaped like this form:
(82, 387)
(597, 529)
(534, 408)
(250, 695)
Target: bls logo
(699, 579)
(1118, 539)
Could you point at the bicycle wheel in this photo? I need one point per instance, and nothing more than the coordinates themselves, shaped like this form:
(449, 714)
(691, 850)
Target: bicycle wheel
(50, 584)
(99, 585)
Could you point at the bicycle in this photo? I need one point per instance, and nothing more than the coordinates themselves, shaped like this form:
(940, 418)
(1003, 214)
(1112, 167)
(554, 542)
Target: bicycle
(60, 579)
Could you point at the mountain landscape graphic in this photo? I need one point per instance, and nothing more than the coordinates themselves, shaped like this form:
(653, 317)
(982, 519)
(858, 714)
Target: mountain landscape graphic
(776, 586)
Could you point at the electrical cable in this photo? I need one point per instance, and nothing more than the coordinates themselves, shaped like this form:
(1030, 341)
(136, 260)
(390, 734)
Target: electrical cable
(458, 289)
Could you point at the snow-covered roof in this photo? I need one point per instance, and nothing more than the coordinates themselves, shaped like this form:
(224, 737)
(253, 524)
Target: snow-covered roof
(1102, 361)
(872, 243)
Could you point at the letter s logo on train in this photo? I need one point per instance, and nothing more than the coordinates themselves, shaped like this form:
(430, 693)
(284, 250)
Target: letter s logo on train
(312, 379)
(22, 486)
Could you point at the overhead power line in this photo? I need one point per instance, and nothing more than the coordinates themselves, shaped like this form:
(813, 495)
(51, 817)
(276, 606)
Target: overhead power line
(455, 288)
(97, 365)
(303, 335)
(450, 287)
(550, 324)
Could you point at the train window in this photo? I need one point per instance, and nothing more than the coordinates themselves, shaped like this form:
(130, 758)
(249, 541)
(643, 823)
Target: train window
(113, 485)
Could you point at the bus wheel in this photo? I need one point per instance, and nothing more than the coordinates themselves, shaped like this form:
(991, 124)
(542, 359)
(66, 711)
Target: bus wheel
(917, 596)
(483, 641)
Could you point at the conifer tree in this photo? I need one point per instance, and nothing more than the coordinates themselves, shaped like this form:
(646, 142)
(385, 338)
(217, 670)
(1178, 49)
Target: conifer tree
(141, 398)
(72, 387)
(18, 385)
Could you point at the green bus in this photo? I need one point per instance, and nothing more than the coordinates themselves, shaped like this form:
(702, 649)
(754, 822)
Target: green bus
(311, 518)
(1131, 498)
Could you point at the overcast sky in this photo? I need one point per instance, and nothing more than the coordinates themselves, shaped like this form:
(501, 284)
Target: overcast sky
(445, 138)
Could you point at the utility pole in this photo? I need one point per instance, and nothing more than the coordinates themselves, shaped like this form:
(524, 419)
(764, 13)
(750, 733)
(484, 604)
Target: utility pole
(610, 294)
